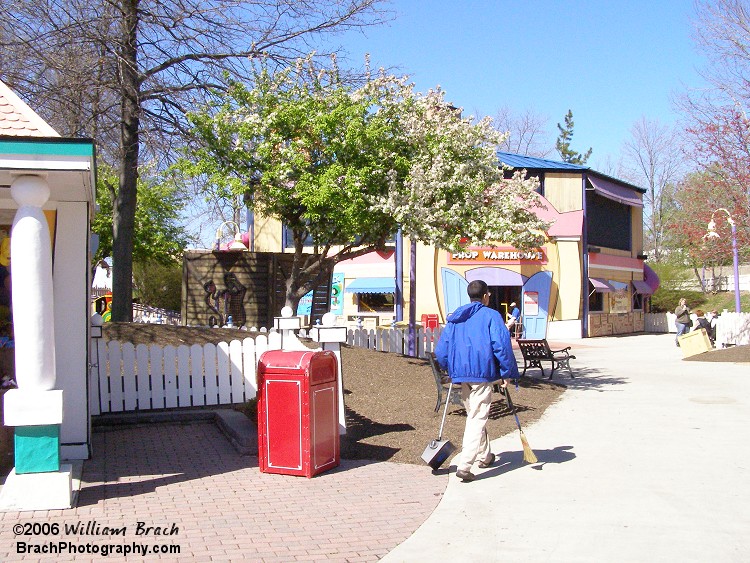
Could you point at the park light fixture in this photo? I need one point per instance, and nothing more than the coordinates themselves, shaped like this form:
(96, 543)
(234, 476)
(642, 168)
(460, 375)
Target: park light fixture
(236, 244)
(735, 258)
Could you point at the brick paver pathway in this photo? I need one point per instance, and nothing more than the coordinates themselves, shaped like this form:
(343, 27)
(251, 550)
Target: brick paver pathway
(187, 479)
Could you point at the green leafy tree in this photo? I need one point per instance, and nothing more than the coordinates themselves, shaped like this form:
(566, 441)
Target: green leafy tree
(158, 285)
(346, 166)
(563, 143)
(159, 236)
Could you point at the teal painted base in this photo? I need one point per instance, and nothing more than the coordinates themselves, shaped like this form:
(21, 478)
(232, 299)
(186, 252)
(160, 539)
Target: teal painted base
(37, 448)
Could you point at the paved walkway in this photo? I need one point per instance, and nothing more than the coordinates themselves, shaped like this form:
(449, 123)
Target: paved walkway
(224, 509)
(645, 458)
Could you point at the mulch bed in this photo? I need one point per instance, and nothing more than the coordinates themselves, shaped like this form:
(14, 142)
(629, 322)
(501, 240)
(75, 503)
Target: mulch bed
(390, 398)
(390, 402)
(732, 354)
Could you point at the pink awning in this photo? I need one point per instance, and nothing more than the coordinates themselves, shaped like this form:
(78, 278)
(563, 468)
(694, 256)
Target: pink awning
(600, 285)
(650, 277)
(616, 192)
(642, 287)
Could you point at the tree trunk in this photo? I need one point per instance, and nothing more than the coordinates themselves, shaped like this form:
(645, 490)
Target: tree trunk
(299, 284)
(123, 210)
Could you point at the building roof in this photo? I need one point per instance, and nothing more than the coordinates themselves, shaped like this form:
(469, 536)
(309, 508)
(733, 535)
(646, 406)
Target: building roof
(18, 120)
(535, 163)
(523, 161)
(28, 145)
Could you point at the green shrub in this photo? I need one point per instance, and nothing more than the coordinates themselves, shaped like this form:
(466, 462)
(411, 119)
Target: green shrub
(667, 299)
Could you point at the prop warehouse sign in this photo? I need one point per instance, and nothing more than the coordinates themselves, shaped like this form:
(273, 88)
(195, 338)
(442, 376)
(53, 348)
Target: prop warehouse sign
(477, 255)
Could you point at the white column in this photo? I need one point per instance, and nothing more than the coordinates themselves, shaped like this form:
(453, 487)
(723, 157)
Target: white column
(31, 263)
(38, 481)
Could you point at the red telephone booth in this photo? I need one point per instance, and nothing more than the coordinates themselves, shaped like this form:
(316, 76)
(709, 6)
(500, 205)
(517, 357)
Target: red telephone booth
(298, 432)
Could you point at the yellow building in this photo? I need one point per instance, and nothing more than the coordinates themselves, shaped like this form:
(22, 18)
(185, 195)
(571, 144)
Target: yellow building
(588, 279)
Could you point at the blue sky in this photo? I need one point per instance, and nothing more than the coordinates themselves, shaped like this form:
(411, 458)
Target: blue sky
(609, 62)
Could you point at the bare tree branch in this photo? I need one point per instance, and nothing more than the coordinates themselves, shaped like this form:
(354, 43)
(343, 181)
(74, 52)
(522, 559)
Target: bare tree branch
(527, 132)
(124, 71)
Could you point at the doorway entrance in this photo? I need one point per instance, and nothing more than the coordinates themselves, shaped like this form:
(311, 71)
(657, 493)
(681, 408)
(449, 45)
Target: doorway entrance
(501, 296)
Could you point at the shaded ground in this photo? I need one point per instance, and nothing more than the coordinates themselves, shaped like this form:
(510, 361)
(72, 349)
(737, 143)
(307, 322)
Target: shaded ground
(390, 399)
(731, 354)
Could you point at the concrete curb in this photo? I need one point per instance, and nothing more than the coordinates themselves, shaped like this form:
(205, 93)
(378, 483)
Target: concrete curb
(241, 432)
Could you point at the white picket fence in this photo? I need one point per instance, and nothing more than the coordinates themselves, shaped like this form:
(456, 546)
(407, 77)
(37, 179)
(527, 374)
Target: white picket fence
(394, 340)
(659, 322)
(128, 378)
(731, 328)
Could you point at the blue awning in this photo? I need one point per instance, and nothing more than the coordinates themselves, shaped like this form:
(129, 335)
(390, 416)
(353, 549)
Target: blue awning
(372, 285)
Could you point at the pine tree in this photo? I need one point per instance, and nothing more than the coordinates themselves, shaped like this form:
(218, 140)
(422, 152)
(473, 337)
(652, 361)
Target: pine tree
(563, 143)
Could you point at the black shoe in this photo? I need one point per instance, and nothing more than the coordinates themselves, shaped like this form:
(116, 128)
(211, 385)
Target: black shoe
(488, 463)
(465, 476)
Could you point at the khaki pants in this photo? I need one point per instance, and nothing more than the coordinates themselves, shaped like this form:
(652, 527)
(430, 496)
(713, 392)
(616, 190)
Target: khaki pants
(477, 398)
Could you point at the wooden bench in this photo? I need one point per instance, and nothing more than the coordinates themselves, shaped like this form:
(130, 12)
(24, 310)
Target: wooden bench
(537, 351)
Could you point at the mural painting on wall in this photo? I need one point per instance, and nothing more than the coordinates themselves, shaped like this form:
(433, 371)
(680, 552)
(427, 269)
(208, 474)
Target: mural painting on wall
(6, 322)
(226, 302)
(7, 371)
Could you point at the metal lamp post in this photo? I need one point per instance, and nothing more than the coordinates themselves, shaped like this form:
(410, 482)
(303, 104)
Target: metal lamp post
(735, 257)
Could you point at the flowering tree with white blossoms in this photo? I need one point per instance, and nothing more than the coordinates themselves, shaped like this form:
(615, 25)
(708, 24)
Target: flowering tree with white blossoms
(345, 166)
(454, 190)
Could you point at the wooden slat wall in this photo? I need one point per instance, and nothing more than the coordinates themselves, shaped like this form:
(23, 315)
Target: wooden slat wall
(251, 270)
(262, 274)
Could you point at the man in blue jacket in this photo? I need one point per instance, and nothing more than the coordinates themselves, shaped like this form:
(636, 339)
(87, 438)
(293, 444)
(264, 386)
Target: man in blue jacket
(476, 350)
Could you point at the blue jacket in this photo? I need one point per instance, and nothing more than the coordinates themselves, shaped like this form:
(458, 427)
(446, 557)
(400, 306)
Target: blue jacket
(475, 346)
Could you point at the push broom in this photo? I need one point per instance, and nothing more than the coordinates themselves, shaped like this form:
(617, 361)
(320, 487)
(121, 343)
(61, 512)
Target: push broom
(528, 453)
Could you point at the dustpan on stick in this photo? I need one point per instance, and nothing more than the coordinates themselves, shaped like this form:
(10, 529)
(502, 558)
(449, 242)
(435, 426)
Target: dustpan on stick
(437, 451)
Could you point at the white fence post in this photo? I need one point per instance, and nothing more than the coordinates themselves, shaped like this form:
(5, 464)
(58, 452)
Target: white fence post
(115, 379)
(143, 378)
(170, 377)
(197, 378)
(209, 369)
(250, 368)
(95, 404)
(156, 355)
(183, 376)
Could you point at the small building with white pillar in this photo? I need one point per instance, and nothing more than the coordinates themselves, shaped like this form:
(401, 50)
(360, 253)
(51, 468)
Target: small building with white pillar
(47, 202)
